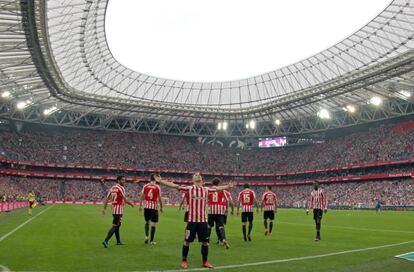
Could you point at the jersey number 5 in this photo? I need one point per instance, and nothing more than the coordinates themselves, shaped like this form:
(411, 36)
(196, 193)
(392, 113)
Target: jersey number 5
(246, 198)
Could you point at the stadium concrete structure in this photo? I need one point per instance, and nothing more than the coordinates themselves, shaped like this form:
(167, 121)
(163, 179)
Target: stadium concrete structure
(56, 68)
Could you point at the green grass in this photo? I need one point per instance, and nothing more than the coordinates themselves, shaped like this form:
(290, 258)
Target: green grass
(68, 238)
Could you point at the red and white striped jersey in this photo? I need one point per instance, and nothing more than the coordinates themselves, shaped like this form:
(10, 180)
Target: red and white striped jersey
(151, 192)
(116, 196)
(217, 202)
(246, 199)
(318, 200)
(269, 201)
(197, 200)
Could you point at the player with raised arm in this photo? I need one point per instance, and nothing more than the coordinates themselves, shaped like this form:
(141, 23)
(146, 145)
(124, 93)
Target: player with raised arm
(197, 215)
(217, 208)
(269, 205)
(150, 197)
(118, 198)
(246, 199)
(318, 201)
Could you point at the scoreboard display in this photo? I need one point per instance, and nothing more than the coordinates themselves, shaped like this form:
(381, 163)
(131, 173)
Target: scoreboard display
(272, 142)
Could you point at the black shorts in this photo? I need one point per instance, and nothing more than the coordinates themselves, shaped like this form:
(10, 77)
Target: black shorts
(186, 217)
(225, 219)
(269, 215)
(117, 219)
(199, 229)
(151, 215)
(317, 214)
(31, 203)
(217, 219)
(247, 216)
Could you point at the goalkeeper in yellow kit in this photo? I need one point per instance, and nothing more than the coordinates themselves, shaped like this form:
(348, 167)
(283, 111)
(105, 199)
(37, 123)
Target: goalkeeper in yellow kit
(32, 201)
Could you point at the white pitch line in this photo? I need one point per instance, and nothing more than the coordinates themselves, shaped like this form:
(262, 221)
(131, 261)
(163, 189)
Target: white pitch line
(2, 267)
(21, 225)
(292, 259)
(350, 228)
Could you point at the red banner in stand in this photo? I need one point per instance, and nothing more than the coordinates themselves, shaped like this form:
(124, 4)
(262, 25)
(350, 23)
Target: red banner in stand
(149, 170)
(9, 206)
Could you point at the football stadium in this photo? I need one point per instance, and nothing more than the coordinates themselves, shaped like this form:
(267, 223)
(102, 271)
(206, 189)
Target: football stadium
(306, 167)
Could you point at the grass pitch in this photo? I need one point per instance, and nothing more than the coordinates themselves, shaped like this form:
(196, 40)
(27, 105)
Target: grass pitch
(68, 238)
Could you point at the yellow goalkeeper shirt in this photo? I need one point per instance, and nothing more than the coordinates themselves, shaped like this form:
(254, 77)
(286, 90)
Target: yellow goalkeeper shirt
(31, 197)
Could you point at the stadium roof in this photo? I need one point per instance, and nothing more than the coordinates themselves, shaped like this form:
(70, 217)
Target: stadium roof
(55, 57)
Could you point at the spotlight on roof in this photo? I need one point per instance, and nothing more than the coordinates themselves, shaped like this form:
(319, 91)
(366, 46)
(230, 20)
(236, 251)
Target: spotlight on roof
(222, 125)
(350, 108)
(406, 94)
(50, 110)
(375, 100)
(324, 114)
(5, 94)
(252, 124)
(247, 126)
(277, 122)
(21, 105)
(225, 125)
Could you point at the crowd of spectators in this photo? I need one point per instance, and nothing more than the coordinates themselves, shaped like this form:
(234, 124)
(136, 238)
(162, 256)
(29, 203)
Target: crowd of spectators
(10, 191)
(350, 194)
(88, 147)
(353, 194)
(380, 143)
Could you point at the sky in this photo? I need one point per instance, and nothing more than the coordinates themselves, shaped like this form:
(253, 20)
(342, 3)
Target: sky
(221, 40)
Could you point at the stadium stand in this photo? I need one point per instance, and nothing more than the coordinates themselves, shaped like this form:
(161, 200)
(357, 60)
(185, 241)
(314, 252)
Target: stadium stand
(383, 143)
(386, 145)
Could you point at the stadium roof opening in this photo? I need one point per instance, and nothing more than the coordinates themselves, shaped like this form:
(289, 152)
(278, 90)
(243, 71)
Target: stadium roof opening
(227, 40)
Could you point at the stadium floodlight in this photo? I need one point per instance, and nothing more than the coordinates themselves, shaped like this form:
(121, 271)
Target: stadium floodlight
(21, 105)
(277, 122)
(406, 94)
(350, 108)
(5, 94)
(324, 114)
(247, 126)
(50, 110)
(252, 124)
(225, 124)
(219, 126)
(24, 104)
(375, 100)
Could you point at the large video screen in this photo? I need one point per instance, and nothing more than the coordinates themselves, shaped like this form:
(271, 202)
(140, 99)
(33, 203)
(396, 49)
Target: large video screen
(272, 142)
